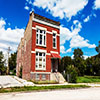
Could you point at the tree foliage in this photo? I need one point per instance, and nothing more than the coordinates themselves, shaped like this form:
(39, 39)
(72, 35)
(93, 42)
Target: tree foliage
(79, 62)
(2, 64)
(72, 74)
(12, 62)
(98, 48)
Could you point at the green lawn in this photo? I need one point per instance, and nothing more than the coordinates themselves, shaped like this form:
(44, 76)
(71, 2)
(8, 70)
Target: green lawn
(89, 79)
(40, 88)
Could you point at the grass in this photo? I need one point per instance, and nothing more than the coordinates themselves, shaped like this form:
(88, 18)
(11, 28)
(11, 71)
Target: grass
(89, 79)
(40, 88)
(44, 82)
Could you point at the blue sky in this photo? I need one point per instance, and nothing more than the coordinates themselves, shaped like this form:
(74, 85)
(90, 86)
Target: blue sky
(80, 22)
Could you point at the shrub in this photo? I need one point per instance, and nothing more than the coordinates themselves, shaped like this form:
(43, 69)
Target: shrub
(71, 74)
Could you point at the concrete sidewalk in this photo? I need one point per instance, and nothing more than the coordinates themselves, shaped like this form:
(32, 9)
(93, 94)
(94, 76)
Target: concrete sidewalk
(13, 81)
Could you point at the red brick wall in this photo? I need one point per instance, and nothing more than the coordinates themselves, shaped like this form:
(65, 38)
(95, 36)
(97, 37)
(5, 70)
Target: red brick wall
(27, 61)
(49, 46)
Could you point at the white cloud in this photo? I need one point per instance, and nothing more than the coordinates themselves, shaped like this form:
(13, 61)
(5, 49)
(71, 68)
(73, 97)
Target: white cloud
(62, 8)
(78, 41)
(9, 37)
(73, 36)
(85, 56)
(87, 19)
(62, 49)
(26, 7)
(97, 4)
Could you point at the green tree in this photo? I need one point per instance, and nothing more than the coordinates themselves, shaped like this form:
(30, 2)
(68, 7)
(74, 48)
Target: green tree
(89, 66)
(98, 48)
(2, 64)
(12, 62)
(65, 61)
(71, 74)
(79, 61)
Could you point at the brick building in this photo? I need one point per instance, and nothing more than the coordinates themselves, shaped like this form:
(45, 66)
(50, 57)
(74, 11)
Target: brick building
(39, 49)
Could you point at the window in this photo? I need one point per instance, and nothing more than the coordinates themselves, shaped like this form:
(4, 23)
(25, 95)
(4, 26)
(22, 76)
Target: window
(37, 77)
(41, 37)
(43, 77)
(54, 40)
(40, 61)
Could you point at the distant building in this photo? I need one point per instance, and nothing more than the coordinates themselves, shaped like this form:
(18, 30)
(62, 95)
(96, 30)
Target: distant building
(39, 50)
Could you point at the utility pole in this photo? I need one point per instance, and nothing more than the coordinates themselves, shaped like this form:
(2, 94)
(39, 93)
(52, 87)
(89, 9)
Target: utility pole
(8, 60)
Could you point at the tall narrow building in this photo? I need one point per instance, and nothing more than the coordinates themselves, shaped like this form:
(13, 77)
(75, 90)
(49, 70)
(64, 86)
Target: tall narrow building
(39, 50)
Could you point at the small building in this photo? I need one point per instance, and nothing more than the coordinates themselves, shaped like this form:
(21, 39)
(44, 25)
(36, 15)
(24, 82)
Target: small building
(39, 49)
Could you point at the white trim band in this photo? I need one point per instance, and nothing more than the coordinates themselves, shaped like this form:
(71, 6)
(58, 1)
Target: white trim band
(40, 72)
(48, 54)
(54, 52)
(33, 52)
(48, 32)
(46, 23)
(41, 50)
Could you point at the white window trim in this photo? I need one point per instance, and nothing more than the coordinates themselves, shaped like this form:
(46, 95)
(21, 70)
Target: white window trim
(40, 50)
(42, 61)
(56, 38)
(47, 32)
(41, 28)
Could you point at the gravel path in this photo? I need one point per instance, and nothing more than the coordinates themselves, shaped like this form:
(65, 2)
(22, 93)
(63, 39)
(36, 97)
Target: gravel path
(77, 94)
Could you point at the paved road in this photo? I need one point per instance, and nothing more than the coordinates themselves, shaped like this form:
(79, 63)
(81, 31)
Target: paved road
(78, 94)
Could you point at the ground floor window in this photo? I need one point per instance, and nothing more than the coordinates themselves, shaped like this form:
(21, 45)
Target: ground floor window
(40, 60)
(37, 77)
(43, 77)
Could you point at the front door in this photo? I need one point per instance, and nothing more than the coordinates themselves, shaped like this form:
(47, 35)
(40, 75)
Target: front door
(54, 65)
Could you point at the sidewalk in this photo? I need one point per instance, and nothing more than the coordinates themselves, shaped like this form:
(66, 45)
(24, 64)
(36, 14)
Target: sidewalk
(13, 81)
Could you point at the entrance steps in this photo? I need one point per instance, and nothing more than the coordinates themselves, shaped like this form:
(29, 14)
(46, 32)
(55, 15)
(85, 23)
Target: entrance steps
(57, 77)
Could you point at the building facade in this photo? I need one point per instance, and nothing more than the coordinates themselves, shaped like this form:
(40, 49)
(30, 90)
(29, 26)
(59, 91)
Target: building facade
(39, 49)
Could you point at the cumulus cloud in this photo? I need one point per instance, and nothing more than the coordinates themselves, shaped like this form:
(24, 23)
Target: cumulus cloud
(97, 4)
(73, 36)
(78, 41)
(85, 56)
(26, 7)
(9, 37)
(89, 17)
(61, 8)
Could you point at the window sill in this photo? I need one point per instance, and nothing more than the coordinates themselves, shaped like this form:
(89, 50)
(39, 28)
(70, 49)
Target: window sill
(41, 45)
(40, 69)
(54, 48)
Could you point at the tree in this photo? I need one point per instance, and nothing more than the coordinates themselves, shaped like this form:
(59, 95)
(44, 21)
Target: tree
(71, 74)
(65, 61)
(78, 53)
(2, 62)
(98, 48)
(89, 66)
(12, 62)
(79, 61)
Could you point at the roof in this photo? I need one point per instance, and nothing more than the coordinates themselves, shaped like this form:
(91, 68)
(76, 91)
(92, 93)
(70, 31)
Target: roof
(46, 19)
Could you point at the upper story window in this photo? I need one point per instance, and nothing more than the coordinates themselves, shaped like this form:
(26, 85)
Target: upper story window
(54, 40)
(40, 37)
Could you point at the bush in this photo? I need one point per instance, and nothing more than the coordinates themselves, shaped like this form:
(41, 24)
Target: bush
(71, 74)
